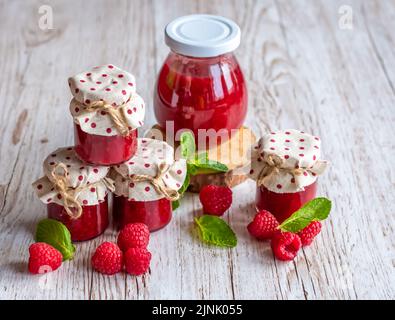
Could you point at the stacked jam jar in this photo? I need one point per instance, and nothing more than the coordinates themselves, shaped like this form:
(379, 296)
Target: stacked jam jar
(109, 157)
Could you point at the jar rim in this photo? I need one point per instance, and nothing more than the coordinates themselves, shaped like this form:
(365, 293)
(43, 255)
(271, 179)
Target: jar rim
(202, 35)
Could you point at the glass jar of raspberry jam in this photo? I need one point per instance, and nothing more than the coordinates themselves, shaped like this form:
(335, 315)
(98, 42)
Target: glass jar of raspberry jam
(201, 85)
(104, 150)
(92, 222)
(75, 193)
(156, 214)
(107, 112)
(283, 205)
(286, 165)
(146, 185)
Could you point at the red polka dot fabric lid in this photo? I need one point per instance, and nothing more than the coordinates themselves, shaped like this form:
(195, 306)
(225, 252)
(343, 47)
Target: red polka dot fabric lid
(107, 82)
(150, 156)
(287, 161)
(88, 183)
(109, 85)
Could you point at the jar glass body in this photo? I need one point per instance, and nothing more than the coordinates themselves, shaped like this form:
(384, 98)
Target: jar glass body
(104, 150)
(201, 93)
(283, 205)
(155, 214)
(92, 222)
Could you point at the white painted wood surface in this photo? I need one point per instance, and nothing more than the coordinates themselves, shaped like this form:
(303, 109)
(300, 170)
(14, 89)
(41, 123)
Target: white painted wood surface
(303, 71)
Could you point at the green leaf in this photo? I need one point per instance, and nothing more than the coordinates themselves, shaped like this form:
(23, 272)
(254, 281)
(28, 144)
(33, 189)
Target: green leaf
(57, 235)
(192, 169)
(188, 147)
(315, 210)
(175, 204)
(214, 230)
(203, 165)
(185, 185)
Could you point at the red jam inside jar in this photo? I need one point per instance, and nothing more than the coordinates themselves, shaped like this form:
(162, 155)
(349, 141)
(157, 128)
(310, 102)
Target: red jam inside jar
(283, 205)
(201, 93)
(104, 150)
(92, 222)
(155, 214)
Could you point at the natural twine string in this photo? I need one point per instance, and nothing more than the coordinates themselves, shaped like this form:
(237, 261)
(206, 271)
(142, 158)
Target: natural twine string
(273, 166)
(115, 114)
(69, 195)
(158, 182)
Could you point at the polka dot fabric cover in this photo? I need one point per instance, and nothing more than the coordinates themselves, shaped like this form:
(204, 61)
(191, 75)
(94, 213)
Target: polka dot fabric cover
(89, 177)
(112, 85)
(298, 150)
(150, 154)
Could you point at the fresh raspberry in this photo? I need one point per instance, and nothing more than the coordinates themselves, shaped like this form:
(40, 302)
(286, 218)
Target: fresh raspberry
(285, 245)
(133, 235)
(308, 234)
(215, 199)
(108, 258)
(263, 226)
(137, 261)
(43, 258)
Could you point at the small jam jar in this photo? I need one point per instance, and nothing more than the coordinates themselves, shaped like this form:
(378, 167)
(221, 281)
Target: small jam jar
(146, 185)
(85, 212)
(285, 165)
(156, 214)
(107, 112)
(201, 85)
(92, 222)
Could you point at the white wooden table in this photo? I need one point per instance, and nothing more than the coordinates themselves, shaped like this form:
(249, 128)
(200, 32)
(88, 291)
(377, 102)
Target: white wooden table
(304, 70)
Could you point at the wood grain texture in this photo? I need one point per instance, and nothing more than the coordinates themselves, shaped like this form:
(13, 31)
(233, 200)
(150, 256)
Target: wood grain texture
(303, 72)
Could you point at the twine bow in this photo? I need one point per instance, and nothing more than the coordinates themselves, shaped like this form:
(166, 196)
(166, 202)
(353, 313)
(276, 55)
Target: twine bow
(115, 114)
(158, 182)
(69, 195)
(274, 166)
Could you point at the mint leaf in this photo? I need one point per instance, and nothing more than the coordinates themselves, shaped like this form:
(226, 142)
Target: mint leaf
(191, 169)
(184, 187)
(315, 210)
(214, 230)
(203, 165)
(198, 163)
(57, 235)
(175, 204)
(187, 143)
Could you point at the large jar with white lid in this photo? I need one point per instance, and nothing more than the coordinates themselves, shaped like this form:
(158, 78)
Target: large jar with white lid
(201, 85)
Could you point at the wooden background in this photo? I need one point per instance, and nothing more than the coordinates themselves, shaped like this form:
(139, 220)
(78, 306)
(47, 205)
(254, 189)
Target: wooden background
(303, 70)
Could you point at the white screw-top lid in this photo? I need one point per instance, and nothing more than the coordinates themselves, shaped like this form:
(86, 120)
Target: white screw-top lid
(202, 35)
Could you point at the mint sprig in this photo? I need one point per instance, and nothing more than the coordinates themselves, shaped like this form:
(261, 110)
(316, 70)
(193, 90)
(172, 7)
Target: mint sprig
(57, 235)
(315, 210)
(197, 163)
(203, 165)
(215, 231)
